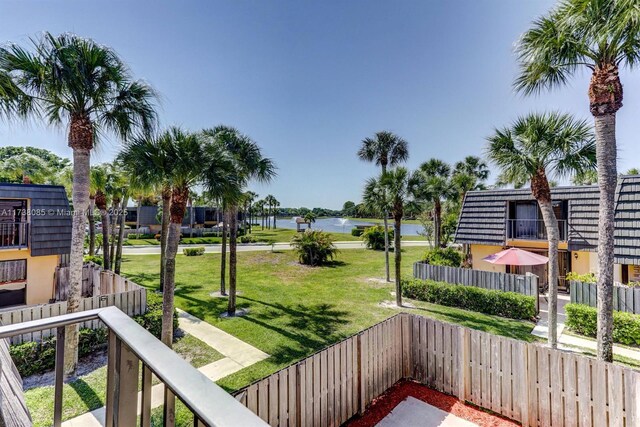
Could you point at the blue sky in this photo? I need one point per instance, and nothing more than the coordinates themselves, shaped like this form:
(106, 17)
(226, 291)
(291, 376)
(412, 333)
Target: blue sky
(309, 80)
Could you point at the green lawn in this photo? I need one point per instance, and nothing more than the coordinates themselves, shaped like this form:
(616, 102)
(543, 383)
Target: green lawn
(296, 310)
(261, 236)
(88, 392)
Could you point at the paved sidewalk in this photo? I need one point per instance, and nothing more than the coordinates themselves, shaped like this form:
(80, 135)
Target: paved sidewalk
(571, 342)
(238, 355)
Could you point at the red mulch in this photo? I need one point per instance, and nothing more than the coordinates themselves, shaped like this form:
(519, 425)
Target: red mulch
(396, 394)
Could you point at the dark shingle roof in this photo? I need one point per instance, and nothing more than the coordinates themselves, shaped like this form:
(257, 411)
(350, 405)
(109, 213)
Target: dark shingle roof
(50, 232)
(483, 215)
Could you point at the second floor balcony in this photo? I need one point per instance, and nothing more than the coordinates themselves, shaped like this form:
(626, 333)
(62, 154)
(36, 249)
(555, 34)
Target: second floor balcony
(533, 229)
(14, 235)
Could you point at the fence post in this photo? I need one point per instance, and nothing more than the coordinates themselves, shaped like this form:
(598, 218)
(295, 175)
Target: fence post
(362, 404)
(463, 363)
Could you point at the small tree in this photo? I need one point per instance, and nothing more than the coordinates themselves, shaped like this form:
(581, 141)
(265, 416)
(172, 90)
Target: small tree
(314, 247)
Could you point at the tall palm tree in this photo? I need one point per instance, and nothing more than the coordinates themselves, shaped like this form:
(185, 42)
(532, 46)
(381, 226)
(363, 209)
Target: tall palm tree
(270, 201)
(100, 179)
(248, 164)
(85, 87)
(249, 198)
(533, 148)
(394, 186)
(276, 205)
(384, 149)
(601, 37)
(146, 159)
(434, 185)
(260, 207)
(94, 180)
(469, 174)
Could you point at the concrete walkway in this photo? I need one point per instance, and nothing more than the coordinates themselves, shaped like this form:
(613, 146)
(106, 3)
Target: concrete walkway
(238, 355)
(282, 246)
(571, 342)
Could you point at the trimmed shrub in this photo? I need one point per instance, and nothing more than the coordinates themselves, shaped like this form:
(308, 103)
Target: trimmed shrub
(583, 320)
(247, 239)
(314, 247)
(93, 258)
(193, 251)
(585, 278)
(210, 234)
(448, 257)
(373, 237)
(140, 236)
(37, 357)
(498, 303)
(152, 319)
(357, 232)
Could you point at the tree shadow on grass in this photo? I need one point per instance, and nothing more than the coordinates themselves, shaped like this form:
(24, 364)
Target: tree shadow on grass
(87, 394)
(482, 322)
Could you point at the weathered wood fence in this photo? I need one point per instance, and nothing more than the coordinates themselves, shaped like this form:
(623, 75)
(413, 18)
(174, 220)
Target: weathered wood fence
(100, 289)
(13, 410)
(625, 298)
(527, 382)
(95, 281)
(523, 284)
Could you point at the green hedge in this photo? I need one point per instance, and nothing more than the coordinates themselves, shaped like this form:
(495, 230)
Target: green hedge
(448, 257)
(505, 304)
(583, 320)
(193, 251)
(357, 232)
(39, 357)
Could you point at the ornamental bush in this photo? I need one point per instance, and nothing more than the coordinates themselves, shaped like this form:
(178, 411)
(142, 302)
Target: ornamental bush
(448, 257)
(357, 232)
(505, 304)
(314, 247)
(193, 251)
(583, 320)
(373, 237)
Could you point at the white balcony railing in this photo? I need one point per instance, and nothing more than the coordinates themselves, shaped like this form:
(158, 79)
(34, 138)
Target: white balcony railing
(130, 349)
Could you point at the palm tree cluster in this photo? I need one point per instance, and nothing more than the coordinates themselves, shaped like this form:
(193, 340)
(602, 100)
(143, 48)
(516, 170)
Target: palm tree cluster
(84, 87)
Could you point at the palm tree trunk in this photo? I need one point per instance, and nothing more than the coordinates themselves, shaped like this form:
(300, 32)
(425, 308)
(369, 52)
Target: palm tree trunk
(223, 250)
(80, 198)
(437, 237)
(118, 262)
(112, 255)
(106, 260)
(178, 204)
(386, 246)
(233, 260)
(553, 235)
(92, 229)
(275, 212)
(397, 252)
(164, 232)
(138, 217)
(605, 131)
(250, 212)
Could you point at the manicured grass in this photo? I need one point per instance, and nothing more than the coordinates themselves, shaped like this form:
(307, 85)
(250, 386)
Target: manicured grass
(88, 392)
(261, 236)
(296, 310)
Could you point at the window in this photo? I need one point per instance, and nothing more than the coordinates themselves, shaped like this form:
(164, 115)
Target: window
(13, 271)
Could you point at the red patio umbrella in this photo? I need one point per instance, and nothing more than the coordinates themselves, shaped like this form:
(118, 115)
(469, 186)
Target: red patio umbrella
(515, 256)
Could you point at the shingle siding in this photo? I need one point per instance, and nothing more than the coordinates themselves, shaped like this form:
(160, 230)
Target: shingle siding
(483, 217)
(50, 233)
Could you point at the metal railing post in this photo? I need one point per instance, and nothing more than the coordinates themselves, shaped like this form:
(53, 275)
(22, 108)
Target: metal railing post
(59, 376)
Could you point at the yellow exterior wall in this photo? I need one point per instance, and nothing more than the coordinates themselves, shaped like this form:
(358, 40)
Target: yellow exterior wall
(40, 271)
(480, 251)
(587, 262)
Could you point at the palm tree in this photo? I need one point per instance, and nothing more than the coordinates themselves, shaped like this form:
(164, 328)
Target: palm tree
(469, 174)
(248, 164)
(395, 187)
(434, 185)
(85, 87)
(100, 178)
(270, 201)
(276, 205)
(533, 148)
(260, 207)
(602, 37)
(249, 198)
(384, 149)
(94, 185)
(310, 218)
(146, 159)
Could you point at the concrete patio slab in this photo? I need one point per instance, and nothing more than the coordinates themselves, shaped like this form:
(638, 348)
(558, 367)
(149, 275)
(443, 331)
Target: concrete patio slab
(416, 413)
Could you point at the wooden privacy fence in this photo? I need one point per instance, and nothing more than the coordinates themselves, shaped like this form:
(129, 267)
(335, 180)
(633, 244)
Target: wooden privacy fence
(13, 410)
(107, 289)
(625, 298)
(523, 284)
(95, 281)
(526, 382)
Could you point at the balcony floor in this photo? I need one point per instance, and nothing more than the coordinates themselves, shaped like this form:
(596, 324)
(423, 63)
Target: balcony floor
(412, 404)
